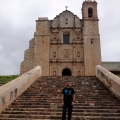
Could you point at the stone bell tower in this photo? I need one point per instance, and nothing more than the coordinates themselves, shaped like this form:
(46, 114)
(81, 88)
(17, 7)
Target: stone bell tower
(91, 37)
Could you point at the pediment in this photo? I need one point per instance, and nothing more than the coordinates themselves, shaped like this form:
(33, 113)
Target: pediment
(66, 19)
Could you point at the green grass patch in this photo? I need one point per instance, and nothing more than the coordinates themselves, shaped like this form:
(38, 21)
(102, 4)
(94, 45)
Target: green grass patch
(6, 79)
(119, 75)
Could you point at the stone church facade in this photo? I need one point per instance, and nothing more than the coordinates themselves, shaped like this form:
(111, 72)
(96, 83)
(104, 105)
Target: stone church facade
(66, 45)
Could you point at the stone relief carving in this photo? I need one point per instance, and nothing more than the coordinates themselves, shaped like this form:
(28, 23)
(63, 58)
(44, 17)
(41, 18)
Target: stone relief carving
(54, 54)
(78, 54)
(54, 35)
(54, 73)
(66, 53)
(78, 73)
(73, 22)
(78, 36)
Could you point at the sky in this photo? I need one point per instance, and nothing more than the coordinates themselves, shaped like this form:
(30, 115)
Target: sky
(17, 27)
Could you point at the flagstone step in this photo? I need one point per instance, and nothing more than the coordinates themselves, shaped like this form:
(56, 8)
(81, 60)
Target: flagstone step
(42, 101)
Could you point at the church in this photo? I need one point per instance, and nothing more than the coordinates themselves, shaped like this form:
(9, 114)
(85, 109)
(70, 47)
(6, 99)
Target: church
(66, 45)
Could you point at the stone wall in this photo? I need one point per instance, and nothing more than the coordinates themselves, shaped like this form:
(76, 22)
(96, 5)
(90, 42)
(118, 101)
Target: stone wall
(80, 54)
(12, 90)
(111, 81)
(28, 62)
(111, 66)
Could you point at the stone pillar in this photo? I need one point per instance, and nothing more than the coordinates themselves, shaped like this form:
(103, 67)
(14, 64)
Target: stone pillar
(91, 37)
(42, 44)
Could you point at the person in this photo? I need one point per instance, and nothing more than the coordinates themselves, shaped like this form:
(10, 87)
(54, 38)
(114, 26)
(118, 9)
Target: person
(68, 100)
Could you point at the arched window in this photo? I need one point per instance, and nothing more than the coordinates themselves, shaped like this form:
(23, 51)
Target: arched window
(90, 12)
(66, 72)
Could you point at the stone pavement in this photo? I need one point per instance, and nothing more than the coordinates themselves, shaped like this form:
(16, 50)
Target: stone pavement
(42, 101)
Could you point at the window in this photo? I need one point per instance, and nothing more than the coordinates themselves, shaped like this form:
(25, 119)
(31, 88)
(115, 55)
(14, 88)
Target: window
(66, 39)
(90, 12)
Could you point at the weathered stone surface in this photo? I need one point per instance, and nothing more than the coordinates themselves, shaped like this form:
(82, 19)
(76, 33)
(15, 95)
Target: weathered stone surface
(112, 66)
(42, 101)
(109, 79)
(12, 90)
(28, 62)
(80, 55)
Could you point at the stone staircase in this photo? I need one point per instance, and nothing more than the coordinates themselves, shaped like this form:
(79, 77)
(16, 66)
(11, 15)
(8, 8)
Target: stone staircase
(42, 101)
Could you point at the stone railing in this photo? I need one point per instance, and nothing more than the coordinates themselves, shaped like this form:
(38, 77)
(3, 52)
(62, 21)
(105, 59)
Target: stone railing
(111, 81)
(10, 91)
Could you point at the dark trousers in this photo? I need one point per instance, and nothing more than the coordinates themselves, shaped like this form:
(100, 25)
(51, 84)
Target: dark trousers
(65, 107)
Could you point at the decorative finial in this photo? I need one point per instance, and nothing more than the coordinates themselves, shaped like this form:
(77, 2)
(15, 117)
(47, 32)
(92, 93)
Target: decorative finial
(66, 7)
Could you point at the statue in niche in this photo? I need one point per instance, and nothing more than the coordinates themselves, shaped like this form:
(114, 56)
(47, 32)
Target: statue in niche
(54, 35)
(54, 73)
(78, 54)
(54, 54)
(78, 36)
(66, 21)
(78, 73)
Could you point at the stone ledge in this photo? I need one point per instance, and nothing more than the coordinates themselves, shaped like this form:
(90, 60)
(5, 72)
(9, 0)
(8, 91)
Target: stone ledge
(111, 81)
(12, 90)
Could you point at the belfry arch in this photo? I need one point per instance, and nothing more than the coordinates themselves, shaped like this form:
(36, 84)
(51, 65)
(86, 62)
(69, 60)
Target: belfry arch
(66, 72)
(90, 12)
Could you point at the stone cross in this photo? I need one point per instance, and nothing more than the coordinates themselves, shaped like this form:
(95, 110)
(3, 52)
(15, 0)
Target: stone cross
(66, 7)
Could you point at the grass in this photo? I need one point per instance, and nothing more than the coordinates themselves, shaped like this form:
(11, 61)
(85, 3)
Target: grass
(6, 79)
(118, 75)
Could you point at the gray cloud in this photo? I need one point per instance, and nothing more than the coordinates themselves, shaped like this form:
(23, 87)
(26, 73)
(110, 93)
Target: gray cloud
(17, 27)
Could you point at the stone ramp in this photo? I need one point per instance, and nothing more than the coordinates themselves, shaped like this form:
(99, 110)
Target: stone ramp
(42, 101)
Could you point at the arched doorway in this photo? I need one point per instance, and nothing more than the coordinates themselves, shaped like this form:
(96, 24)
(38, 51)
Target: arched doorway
(66, 72)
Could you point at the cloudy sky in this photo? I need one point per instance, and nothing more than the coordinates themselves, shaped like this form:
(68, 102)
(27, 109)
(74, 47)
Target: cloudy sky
(17, 27)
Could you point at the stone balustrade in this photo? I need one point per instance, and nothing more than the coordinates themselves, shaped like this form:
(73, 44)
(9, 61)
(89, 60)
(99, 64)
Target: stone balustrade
(10, 91)
(111, 81)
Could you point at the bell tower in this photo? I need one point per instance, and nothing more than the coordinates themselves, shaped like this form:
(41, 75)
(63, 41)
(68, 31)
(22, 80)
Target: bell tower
(91, 37)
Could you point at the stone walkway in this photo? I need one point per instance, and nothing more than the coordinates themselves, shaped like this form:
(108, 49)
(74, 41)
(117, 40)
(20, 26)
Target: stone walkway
(42, 101)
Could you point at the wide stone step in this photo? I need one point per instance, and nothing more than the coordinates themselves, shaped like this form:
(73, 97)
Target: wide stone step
(59, 110)
(85, 113)
(42, 101)
(59, 102)
(77, 107)
(58, 117)
(77, 104)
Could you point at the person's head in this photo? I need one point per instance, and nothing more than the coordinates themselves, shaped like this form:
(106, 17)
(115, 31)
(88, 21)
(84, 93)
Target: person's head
(68, 84)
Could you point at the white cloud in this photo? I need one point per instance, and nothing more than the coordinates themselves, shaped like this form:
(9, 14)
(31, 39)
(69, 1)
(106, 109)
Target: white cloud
(17, 27)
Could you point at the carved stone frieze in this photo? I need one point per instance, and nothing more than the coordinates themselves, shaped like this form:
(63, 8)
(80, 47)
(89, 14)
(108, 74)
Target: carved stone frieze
(66, 53)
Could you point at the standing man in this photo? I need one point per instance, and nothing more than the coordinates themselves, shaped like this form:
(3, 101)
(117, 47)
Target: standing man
(68, 99)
